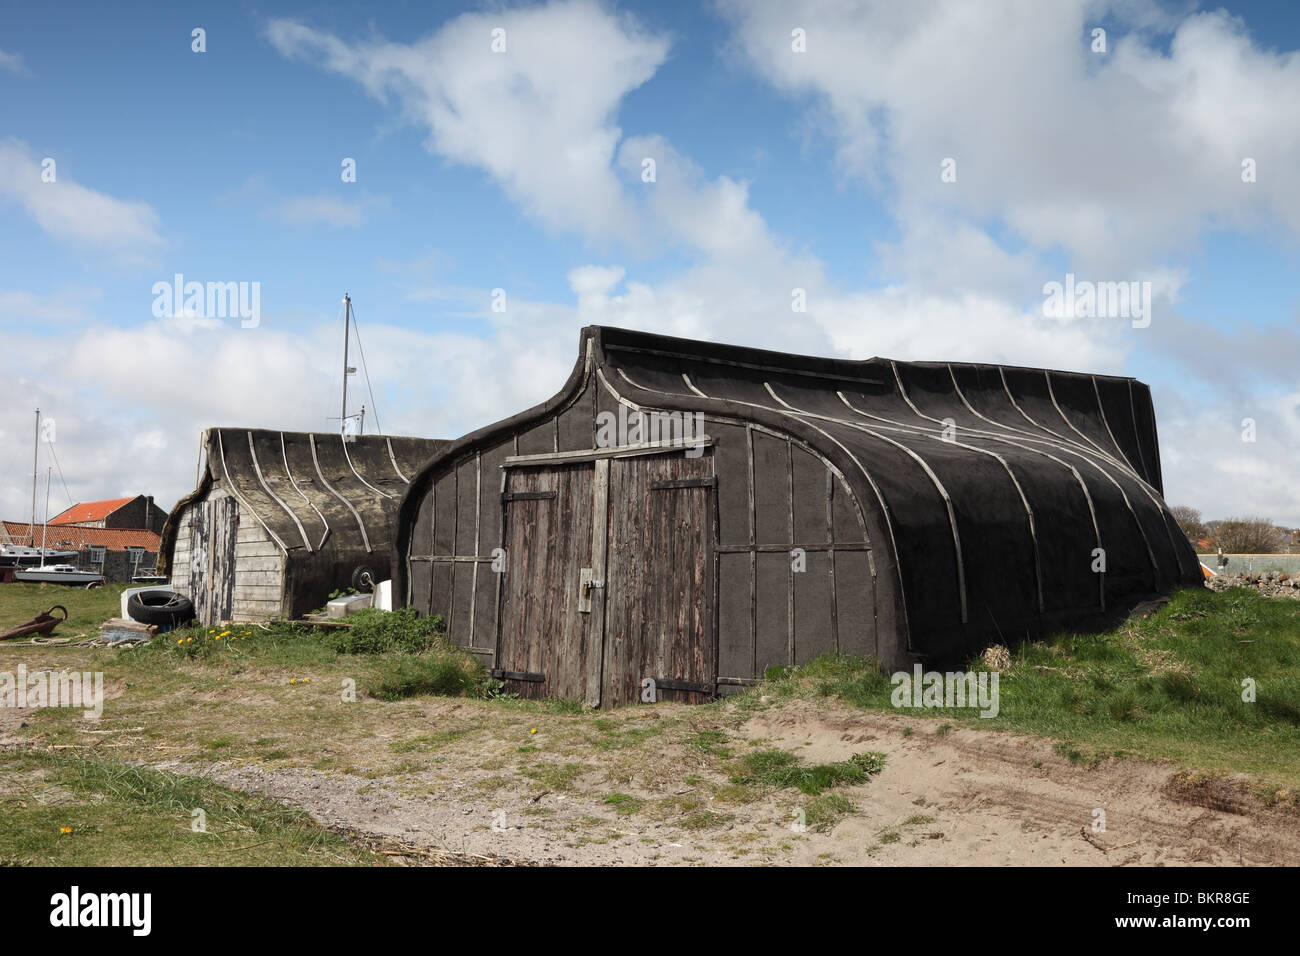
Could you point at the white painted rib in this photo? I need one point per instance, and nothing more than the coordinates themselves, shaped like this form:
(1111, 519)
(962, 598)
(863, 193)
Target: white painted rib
(1083, 486)
(934, 479)
(383, 494)
(234, 492)
(365, 538)
(1051, 393)
(261, 479)
(1006, 466)
(393, 458)
(880, 498)
(1087, 457)
(1101, 410)
(284, 454)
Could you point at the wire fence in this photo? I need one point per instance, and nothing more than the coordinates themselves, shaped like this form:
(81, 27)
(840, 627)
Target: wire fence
(1241, 563)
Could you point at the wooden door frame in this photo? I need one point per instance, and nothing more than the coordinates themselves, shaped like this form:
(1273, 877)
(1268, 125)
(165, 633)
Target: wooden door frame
(600, 518)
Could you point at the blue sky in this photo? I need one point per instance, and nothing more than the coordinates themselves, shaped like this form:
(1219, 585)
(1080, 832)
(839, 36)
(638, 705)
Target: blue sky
(520, 171)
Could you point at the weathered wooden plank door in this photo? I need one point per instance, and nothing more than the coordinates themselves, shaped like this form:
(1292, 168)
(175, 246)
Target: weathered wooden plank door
(200, 549)
(221, 581)
(214, 527)
(544, 644)
(659, 579)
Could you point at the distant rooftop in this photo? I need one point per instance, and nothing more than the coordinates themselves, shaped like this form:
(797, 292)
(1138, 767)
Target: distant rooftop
(91, 511)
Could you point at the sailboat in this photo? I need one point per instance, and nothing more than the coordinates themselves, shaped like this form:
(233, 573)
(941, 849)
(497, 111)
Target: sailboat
(49, 573)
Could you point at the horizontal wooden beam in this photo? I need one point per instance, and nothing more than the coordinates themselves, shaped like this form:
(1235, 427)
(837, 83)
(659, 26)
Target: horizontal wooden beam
(786, 548)
(614, 451)
(668, 683)
(669, 484)
(517, 675)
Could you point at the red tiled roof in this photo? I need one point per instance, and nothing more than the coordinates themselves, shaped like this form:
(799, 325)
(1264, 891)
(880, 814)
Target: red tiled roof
(91, 510)
(73, 538)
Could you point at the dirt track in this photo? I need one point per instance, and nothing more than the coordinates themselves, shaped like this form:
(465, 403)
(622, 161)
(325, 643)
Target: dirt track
(960, 797)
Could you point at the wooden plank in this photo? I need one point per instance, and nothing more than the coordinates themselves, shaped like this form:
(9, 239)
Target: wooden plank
(599, 544)
(270, 562)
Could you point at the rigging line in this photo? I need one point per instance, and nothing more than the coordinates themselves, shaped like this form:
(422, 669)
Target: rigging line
(360, 348)
(66, 492)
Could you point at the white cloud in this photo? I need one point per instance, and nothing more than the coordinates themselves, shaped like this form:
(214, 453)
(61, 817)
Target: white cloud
(69, 211)
(130, 402)
(1114, 157)
(539, 117)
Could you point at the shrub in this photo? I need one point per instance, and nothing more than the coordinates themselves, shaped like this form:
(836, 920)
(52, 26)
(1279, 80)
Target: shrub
(376, 632)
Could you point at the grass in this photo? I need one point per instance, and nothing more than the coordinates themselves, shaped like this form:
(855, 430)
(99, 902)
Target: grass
(20, 601)
(442, 670)
(780, 768)
(281, 697)
(1165, 687)
(82, 811)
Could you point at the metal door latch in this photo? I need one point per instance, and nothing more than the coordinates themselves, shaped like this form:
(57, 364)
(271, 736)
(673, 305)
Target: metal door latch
(586, 584)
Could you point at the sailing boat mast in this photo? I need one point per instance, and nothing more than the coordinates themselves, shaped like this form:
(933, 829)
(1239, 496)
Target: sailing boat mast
(36, 449)
(344, 417)
(347, 323)
(46, 527)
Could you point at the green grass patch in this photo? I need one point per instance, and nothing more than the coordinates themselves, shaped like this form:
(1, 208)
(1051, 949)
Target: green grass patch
(1168, 686)
(823, 812)
(446, 671)
(20, 601)
(779, 768)
(83, 811)
(624, 804)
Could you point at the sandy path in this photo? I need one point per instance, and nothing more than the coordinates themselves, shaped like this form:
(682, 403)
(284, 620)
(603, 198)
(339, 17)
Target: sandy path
(963, 797)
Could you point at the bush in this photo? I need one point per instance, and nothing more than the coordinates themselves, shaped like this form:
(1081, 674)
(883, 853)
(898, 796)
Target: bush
(377, 632)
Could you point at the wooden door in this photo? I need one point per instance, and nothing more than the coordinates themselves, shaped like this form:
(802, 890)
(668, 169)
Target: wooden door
(200, 552)
(544, 644)
(213, 532)
(659, 579)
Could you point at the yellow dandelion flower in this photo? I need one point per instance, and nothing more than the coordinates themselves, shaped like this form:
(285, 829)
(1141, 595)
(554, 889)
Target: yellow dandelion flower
(533, 731)
(292, 680)
(189, 640)
(65, 829)
(180, 640)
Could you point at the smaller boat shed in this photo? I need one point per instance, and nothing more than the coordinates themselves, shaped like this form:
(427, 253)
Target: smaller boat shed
(280, 520)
